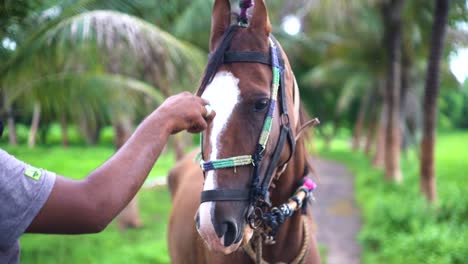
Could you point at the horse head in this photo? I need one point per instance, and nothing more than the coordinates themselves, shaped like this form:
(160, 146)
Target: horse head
(238, 84)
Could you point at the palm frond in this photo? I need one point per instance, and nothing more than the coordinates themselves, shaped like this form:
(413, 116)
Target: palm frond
(97, 96)
(194, 23)
(120, 40)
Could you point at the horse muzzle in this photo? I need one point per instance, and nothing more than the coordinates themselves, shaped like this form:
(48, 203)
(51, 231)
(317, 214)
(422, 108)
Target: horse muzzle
(223, 233)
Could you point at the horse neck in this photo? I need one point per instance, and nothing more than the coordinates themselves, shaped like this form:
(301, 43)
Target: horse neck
(290, 232)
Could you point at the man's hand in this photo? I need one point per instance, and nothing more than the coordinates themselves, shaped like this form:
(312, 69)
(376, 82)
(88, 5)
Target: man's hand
(184, 111)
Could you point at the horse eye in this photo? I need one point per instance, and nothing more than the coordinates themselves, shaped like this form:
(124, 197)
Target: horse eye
(261, 104)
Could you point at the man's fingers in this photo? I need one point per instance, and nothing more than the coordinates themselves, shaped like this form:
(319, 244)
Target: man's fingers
(198, 126)
(210, 117)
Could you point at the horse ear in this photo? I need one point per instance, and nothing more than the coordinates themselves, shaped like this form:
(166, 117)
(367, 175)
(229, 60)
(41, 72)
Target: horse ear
(260, 22)
(220, 21)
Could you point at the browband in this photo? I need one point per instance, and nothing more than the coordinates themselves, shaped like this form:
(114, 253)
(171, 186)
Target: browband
(247, 56)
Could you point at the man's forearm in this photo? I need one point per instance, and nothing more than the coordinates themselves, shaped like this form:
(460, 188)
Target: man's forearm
(116, 182)
(89, 205)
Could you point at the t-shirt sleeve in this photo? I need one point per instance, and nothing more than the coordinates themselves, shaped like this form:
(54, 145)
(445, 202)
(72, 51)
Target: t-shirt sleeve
(23, 191)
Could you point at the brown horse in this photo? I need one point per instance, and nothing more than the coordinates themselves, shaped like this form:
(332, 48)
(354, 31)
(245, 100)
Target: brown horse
(238, 86)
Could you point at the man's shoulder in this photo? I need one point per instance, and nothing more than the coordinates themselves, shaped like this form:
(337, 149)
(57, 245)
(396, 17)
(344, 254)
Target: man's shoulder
(23, 191)
(8, 162)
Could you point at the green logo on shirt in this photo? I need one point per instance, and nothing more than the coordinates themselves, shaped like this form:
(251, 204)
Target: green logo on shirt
(33, 173)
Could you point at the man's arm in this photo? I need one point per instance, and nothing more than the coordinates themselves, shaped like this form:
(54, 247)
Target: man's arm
(89, 205)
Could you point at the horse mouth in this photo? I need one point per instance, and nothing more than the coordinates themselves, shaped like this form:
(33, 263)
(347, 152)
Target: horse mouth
(216, 244)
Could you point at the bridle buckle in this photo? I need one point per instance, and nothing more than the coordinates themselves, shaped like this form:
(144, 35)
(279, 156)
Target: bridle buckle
(285, 121)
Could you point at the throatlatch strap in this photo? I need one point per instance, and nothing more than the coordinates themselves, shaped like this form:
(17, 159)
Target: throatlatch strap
(225, 195)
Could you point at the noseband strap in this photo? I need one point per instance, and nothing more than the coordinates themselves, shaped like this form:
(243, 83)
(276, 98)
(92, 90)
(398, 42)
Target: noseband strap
(227, 195)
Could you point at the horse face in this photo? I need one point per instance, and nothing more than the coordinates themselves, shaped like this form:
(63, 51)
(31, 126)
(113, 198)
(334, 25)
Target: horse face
(240, 95)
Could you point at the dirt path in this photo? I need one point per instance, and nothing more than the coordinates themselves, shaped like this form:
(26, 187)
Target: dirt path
(336, 213)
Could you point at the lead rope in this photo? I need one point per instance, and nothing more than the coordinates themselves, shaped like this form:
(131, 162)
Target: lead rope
(256, 255)
(259, 249)
(278, 216)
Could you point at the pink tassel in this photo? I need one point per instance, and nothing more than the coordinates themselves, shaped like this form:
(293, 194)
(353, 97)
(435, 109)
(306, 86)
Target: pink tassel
(309, 184)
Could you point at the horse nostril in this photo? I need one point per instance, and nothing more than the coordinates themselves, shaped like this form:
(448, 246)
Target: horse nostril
(197, 220)
(228, 229)
(230, 233)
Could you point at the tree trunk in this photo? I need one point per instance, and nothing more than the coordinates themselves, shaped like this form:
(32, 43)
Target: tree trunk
(405, 90)
(90, 129)
(360, 122)
(34, 125)
(44, 131)
(393, 29)
(370, 138)
(428, 184)
(123, 129)
(130, 215)
(64, 129)
(379, 157)
(328, 138)
(12, 135)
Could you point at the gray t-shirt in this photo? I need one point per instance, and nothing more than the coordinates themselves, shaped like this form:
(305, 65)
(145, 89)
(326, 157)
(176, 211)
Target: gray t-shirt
(23, 191)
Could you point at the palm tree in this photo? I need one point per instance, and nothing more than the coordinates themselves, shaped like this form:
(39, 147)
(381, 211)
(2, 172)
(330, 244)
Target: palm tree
(392, 17)
(349, 65)
(427, 169)
(81, 49)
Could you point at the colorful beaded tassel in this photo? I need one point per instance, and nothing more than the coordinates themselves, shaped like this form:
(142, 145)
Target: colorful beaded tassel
(244, 5)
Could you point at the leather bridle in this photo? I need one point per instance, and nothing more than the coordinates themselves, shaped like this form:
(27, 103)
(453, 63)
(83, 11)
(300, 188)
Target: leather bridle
(257, 195)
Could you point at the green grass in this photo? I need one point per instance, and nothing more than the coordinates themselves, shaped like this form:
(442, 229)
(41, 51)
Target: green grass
(78, 161)
(145, 245)
(54, 135)
(399, 226)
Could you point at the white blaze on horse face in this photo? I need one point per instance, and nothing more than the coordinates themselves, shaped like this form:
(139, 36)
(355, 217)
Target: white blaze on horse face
(223, 94)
